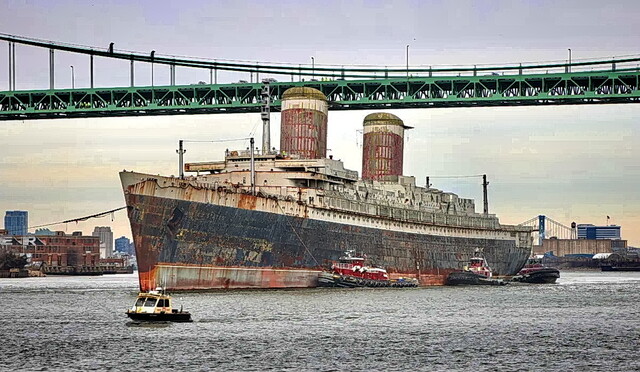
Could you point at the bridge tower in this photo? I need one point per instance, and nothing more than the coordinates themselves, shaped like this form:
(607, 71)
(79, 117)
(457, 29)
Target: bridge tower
(541, 228)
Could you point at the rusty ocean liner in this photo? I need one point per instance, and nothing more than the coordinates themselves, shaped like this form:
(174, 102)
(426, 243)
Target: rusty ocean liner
(275, 219)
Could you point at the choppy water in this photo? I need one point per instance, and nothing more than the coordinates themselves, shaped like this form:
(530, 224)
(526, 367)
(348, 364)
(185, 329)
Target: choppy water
(587, 321)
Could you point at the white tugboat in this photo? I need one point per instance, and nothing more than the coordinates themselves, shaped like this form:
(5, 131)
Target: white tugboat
(156, 306)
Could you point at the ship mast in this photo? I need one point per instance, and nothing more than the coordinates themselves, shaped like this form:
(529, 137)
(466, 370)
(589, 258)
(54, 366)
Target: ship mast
(181, 152)
(253, 167)
(484, 192)
(266, 121)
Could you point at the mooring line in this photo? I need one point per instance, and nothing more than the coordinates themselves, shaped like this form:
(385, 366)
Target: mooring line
(297, 235)
(102, 214)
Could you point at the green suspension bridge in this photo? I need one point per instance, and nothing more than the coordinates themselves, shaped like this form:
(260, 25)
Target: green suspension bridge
(585, 82)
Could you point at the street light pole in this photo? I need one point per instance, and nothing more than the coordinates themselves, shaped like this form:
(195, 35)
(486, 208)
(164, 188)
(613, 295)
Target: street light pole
(73, 79)
(153, 54)
(407, 61)
(313, 68)
(569, 59)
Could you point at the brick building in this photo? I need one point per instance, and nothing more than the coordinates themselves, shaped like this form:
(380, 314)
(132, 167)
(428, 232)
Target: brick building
(565, 247)
(59, 253)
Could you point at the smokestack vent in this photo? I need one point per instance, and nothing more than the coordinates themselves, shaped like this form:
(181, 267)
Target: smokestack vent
(383, 147)
(304, 123)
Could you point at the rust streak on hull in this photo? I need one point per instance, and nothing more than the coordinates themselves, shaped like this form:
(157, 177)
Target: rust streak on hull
(247, 202)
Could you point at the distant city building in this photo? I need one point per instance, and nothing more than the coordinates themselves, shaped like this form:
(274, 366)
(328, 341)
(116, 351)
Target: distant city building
(579, 247)
(16, 222)
(44, 231)
(123, 245)
(59, 253)
(106, 240)
(589, 231)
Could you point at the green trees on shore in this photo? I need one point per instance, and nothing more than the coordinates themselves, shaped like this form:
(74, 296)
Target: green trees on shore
(10, 260)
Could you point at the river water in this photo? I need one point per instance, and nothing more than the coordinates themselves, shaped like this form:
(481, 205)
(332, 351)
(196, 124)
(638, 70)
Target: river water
(587, 321)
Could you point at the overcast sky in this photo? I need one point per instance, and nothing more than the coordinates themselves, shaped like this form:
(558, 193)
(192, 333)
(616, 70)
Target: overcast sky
(571, 163)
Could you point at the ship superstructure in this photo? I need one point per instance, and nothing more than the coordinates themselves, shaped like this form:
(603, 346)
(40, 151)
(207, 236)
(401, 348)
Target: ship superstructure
(276, 219)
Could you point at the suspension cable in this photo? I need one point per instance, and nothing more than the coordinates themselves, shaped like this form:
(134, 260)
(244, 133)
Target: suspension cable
(288, 69)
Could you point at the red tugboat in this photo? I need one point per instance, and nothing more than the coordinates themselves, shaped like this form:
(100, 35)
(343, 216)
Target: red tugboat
(534, 271)
(477, 272)
(351, 272)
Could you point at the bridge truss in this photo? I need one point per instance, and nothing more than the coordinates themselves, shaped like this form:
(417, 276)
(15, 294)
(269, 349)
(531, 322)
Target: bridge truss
(544, 228)
(593, 82)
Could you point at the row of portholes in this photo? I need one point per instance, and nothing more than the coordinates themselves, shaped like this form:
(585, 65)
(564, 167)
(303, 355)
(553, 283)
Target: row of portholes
(475, 222)
(394, 224)
(386, 223)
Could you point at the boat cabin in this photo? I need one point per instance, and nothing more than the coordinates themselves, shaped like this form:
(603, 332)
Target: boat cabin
(354, 266)
(152, 303)
(479, 266)
(348, 262)
(533, 264)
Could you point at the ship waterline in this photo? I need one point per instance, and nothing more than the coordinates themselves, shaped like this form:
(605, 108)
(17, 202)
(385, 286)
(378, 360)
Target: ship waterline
(182, 276)
(193, 235)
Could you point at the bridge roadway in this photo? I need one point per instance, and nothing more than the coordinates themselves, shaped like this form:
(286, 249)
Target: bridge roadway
(375, 94)
(351, 88)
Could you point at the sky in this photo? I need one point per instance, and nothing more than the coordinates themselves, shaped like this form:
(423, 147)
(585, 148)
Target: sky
(570, 163)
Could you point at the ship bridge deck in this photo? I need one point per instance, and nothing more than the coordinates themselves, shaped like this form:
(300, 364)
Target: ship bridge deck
(276, 163)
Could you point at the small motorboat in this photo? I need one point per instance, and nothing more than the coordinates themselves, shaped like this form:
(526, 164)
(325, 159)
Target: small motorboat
(534, 271)
(477, 272)
(156, 306)
(350, 271)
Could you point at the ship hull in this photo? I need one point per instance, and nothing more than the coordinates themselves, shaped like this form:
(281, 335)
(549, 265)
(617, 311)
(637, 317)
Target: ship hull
(186, 245)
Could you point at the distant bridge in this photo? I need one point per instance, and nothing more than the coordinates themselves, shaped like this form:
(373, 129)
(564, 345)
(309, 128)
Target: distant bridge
(585, 82)
(546, 228)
